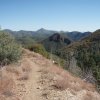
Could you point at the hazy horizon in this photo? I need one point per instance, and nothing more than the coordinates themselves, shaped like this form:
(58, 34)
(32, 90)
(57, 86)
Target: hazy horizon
(49, 30)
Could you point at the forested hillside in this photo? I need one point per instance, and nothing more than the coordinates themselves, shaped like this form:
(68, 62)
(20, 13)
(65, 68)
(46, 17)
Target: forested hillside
(88, 56)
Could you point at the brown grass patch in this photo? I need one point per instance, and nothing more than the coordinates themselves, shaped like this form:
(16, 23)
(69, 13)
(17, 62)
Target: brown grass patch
(14, 70)
(26, 69)
(24, 77)
(28, 53)
(6, 84)
(64, 79)
(8, 93)
(26, 65)
(91, 96)
(2, 97)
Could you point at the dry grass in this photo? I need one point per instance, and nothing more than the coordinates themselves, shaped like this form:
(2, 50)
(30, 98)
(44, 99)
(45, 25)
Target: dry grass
(91, 96)
(6, 84)
(24, 77)
(28, 54)
(26, 69)
(2, 97)
(88, 96)
(64, 80)
(14, 70)
(26, 65)
(8, 93)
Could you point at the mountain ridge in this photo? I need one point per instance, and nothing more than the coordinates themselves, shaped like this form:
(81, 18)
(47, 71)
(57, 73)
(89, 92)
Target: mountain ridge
(44, 33)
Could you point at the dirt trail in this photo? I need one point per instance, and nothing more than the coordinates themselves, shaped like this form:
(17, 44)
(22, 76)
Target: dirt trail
(32, 93)
(29, 89)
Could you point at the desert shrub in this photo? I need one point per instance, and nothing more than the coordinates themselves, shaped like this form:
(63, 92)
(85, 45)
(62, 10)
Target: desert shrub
(10, 51)
(38, 48)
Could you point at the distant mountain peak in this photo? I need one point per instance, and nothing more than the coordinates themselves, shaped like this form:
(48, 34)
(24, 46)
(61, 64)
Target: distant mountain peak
(56, 37)
(41, 29)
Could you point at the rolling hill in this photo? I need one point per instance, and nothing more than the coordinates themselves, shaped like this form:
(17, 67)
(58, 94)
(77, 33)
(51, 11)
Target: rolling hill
(55, 42)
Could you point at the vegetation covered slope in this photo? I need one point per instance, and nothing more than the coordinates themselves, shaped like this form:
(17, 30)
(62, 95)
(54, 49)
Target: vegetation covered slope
(75, 36)
(25, 38)
(55, 42)
(10, 51)
(88, 55)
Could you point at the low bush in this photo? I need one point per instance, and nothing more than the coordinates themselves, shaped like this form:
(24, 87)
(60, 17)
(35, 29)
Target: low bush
(38, 48)
(10, 51)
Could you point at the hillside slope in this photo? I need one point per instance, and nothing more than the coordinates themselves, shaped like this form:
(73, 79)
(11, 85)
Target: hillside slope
(55, 42)
(87, 58)
(37, 78)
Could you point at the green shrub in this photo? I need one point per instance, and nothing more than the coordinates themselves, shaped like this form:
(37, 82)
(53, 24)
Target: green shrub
(26, 41)
(10, 51)
(38, 48)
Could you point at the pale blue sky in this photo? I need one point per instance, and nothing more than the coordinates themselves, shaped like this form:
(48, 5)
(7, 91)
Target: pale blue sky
(67, 15)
